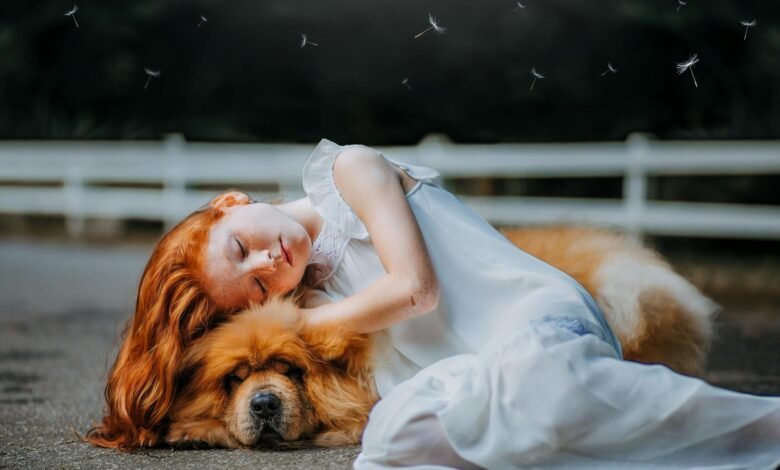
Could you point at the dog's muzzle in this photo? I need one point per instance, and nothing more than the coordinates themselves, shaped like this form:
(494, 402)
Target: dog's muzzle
(266, 410)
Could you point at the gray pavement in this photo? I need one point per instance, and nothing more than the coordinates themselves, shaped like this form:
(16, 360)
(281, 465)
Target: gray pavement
(61, 307)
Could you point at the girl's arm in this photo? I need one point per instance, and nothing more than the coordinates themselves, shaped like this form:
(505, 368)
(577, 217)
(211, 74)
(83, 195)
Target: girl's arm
(373, 189)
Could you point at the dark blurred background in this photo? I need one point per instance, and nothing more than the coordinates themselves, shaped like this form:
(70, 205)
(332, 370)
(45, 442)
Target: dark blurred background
(242, 75)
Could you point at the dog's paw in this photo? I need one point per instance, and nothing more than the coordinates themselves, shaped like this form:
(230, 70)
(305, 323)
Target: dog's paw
(337, 438)
(200, 434)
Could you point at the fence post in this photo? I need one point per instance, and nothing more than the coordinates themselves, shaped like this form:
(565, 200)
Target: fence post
(635, 185)
(174, 180)
(432, 150)
(74, 200)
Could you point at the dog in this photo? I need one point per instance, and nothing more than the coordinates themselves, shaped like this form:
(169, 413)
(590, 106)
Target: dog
(263, 379)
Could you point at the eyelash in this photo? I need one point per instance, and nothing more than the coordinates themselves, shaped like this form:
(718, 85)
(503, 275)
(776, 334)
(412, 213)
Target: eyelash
(243, 251)
(262, 287)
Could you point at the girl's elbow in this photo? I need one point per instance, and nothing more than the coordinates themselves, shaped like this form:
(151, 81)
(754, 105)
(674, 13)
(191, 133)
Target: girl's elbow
(424, 297)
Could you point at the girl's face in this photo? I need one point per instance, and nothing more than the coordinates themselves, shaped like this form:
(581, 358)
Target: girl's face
(253, 251)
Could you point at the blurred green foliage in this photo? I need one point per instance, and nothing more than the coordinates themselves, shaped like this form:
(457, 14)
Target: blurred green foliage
(243, 77)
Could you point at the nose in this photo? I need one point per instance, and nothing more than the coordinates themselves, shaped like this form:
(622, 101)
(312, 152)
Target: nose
(263, 261)
(265, 405)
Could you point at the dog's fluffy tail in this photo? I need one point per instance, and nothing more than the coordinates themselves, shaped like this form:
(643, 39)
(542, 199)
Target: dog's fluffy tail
(658, 316)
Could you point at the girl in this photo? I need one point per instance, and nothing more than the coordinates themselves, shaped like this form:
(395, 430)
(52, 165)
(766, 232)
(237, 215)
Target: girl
(486, 356)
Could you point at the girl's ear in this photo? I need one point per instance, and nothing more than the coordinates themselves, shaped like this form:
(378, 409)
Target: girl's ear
(230, 198)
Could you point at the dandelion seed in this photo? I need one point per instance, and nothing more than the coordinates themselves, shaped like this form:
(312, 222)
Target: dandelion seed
(152, 74)
(519, 6)
(434, 26)
(203, 19)
(683, 67)
(680, 4)
(405, 82)
(610, 69)
(72, 14)
(747, 24)
(536, 75)
(305, 40)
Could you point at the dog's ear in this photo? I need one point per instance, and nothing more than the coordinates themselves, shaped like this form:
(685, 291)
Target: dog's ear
(327, 343)
(185, 376)
(342, 393)
(340, 348)
(331, 344)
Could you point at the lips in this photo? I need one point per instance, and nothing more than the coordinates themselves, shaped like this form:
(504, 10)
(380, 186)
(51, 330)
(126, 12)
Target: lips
(286, 253)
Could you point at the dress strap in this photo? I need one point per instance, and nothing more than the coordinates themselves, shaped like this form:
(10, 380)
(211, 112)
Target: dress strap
(326, 254)
(418, 172)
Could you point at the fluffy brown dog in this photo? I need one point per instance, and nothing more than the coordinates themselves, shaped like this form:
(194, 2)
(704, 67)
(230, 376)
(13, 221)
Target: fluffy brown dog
(261, 378)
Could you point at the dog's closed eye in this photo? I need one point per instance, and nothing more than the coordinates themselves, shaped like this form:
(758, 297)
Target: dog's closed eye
(237, 376)
(288, 369)
(231, 381)
(295, 373)
(234, 379)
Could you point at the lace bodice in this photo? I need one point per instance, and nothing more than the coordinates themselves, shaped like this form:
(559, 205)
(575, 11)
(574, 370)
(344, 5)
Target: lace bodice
(326, 254)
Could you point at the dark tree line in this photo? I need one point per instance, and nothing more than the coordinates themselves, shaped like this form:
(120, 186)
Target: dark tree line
(242, 75)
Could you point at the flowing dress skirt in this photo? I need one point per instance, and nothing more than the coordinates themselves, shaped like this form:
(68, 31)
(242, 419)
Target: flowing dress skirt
(552, 395)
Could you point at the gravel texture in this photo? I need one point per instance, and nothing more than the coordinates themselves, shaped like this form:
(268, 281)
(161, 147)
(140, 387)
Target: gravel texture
(62, 304)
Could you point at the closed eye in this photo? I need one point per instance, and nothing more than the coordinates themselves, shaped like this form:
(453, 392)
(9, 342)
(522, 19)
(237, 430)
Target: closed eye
(262, 287)
(243, 251)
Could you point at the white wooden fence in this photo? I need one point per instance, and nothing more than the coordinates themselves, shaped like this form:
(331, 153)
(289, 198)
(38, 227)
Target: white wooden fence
(163, 181)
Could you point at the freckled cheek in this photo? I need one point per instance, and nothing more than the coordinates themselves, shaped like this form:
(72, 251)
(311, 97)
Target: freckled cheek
(233, 294)
(286, 283)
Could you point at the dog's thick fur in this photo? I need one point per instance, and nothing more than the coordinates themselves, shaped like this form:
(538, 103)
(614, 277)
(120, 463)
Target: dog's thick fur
(323, 378)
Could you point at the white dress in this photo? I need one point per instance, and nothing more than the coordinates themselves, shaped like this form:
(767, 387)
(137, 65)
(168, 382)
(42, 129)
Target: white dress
(517, 367)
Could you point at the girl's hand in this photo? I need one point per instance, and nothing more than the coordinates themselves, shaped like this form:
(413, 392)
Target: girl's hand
(308, 317)
(311, 301)
(314, 298)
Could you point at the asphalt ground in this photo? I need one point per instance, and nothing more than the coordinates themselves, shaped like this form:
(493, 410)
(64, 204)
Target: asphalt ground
(62, 305)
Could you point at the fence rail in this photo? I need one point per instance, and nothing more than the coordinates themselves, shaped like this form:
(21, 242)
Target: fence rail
(163, 181)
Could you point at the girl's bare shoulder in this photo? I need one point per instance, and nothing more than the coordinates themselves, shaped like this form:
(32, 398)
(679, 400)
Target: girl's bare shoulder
(370, 166)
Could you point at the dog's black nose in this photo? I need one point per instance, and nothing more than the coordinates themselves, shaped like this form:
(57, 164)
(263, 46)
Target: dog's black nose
(265, 405)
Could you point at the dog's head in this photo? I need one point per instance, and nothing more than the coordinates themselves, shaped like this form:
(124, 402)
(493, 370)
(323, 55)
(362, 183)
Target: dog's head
(262, 378)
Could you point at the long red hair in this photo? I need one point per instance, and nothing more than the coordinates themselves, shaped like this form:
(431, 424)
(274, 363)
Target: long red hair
(172, 309)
